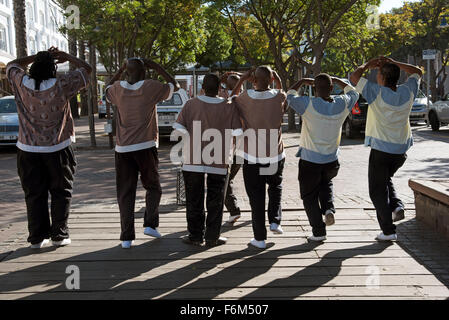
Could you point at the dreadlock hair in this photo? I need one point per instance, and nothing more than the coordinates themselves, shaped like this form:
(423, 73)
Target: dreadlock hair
(43, 68)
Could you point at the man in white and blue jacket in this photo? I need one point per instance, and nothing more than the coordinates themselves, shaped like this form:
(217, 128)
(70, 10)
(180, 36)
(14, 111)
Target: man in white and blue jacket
(323, 117)
(388, 133)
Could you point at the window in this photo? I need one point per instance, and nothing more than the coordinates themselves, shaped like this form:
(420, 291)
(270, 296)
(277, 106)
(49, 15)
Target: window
(3, 42)
(44, 46)
(32, 45)
(29, 12)
(174, 101)
(41, 18)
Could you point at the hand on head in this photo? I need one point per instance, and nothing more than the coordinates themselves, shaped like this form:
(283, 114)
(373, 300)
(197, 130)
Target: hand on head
(58, 56)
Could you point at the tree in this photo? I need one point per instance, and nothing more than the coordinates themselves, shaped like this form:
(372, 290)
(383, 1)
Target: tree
(297, 31)
(20, 27)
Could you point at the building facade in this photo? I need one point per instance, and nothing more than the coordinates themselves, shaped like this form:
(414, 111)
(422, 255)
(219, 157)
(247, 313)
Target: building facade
(43, 20)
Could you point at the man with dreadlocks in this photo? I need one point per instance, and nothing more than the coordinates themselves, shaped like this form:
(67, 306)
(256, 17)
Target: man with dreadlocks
(45, 158)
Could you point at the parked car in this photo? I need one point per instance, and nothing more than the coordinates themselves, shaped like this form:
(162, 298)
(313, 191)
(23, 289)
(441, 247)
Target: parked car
(419, 109)
(169, 110)
(9, 121)
(102, 108)
(438, 113)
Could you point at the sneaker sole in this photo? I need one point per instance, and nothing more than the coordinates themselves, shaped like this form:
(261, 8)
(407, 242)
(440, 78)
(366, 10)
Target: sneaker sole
(152, 235)
(399, 216)
(277, 232)
(330, 220)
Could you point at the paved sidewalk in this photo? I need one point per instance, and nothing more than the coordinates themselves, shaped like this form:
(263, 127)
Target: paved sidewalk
(350, 265)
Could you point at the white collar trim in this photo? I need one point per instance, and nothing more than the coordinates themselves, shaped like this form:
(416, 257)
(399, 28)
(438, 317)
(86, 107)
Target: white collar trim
(262, 95)
(135, 86)
(214, 100)
(45, 85)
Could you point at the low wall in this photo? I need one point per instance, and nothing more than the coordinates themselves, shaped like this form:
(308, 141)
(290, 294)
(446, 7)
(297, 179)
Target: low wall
(432, 203)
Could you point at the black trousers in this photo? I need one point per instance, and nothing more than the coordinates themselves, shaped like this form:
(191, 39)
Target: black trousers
(382, 167)
(198, 225)
(231, 200)
(41, 174)
(316, 187)
(255, 185)
(127, 166)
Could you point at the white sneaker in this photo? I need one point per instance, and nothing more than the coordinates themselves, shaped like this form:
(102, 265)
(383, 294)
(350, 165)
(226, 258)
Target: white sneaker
(233, 219)
(398, 214)
(276, 228)
(62, 243)
(391, 237)
(258, 244)
(329, 218)
(41, 244)
(316, 239)
(152, 232)
(127, 244)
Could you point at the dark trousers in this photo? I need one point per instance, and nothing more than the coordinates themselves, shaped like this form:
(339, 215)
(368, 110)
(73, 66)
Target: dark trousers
(198, 225)
(231, 200)
(255, 185)
(382, 167)
(40, 174)
(316, 187)
(127, 166)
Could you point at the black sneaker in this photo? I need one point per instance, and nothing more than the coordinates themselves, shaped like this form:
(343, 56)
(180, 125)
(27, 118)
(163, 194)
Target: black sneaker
(187, 240)
(214, 243)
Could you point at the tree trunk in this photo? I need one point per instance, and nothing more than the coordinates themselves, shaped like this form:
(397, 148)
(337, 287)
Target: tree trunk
(83, 93)
(73, 52)
(20, 27)
(92, 94)
(93, 64)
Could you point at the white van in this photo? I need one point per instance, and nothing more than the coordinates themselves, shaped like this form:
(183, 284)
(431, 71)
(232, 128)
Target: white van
(168, 111)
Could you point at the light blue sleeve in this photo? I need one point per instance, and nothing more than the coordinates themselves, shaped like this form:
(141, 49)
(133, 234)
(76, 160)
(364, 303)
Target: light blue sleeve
(298, 103)
(413, 84)
(351, 97)
(369, 90)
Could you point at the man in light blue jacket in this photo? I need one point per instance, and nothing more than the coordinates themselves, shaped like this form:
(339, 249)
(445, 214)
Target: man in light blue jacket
(388, 133)
(323, 117)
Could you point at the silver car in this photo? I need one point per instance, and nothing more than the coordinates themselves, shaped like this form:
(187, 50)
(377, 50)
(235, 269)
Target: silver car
(438, 114)
(419, 109)
(9, 121)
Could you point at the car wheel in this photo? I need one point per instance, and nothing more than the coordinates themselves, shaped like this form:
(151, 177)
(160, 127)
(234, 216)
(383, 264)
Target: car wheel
(434, 123)
(349, 131)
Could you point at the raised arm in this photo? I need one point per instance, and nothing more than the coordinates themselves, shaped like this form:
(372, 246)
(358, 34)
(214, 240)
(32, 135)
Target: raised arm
(118, 75)
(277, 80)
(407, 68)
(302, 82)
(358, 73)
(23, 62)
(247, 76)
(159, 69)
(61, 57)
(339, 82)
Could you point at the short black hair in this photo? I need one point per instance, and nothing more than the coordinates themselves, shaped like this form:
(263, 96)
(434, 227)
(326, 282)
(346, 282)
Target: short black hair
(211, 83)
(323, 83)
(43, 68)
(263, 75)
(391, 73)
